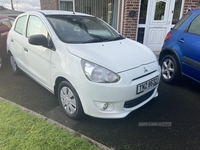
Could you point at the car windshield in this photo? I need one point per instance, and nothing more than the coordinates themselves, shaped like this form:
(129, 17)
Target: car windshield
(82, 29)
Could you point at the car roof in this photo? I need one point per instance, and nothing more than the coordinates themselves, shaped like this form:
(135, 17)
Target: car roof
(56, 12)
(195, 11)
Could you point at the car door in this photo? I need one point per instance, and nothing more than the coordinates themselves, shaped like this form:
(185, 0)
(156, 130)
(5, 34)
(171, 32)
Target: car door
(189, 43)
(14, 42)
(38, 57)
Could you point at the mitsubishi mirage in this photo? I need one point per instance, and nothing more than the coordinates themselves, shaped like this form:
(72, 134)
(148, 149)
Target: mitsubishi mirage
(90, 67)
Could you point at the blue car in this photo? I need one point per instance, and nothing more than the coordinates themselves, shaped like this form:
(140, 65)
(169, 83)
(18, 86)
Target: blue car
(180, 54)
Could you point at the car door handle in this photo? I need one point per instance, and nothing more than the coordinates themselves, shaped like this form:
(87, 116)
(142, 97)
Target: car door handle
(25, 49)
(12, 40)
(182, 40)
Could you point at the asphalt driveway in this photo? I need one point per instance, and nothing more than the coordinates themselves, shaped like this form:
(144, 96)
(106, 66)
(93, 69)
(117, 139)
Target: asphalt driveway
(178, 105)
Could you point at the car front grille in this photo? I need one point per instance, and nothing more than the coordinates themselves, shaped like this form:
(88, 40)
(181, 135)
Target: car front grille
(134, 102)
(144, 75)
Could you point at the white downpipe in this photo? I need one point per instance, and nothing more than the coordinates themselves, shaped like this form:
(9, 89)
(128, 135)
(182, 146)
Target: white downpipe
(182, 7)
(122, 17)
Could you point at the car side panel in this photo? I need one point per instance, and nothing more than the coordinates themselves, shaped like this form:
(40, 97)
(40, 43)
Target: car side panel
(38, 58)
(191, 55)
(15, 45)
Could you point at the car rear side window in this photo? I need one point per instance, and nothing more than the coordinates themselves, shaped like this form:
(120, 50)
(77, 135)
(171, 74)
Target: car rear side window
(181, 21)
(19, 26)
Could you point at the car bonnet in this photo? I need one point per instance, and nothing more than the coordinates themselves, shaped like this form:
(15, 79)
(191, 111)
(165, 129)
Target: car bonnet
(117, 56)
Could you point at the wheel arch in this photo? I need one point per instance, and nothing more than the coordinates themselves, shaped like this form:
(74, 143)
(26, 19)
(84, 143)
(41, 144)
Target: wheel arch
(57, 82)
(168, 51)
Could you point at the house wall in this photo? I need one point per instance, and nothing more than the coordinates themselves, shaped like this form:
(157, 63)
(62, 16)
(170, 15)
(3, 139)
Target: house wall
(130, 24)
(192, 4)
(49, 4)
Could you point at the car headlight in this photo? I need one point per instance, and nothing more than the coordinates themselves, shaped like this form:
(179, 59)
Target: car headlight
(99, 74)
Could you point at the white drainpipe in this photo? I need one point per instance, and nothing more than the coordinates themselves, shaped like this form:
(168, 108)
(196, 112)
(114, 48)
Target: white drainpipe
(122, 17)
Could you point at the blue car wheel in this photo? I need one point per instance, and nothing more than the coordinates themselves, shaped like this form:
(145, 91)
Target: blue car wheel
(170, 69)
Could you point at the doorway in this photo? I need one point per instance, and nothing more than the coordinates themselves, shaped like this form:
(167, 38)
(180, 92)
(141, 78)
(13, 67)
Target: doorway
(156, 19)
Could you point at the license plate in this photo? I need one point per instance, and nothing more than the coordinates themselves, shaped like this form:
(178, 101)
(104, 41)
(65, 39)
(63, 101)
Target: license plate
(147, 85)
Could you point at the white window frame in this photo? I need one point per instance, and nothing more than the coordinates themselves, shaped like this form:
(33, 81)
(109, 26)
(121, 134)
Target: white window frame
(73, 1)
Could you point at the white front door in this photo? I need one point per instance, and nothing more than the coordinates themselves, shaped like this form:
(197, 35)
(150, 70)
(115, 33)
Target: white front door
(159, 20)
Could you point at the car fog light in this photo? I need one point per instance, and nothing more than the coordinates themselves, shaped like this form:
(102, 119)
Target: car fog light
(102, 106)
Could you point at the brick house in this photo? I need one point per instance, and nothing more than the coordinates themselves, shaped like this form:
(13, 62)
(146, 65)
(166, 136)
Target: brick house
(146, 21)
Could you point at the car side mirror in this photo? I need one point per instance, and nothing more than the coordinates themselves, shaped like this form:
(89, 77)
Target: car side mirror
(38, 39)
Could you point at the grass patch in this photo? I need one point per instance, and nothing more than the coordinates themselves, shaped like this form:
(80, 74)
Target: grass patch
(21, 131)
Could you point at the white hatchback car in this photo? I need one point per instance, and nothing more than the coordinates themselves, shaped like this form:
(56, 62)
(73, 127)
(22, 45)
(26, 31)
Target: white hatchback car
(81, 59)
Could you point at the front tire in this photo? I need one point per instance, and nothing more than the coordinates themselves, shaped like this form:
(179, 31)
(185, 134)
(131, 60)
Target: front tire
(170, 69)
(69, 100)
(14, 66)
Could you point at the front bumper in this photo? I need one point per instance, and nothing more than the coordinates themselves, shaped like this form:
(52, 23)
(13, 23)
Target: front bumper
(121, 97)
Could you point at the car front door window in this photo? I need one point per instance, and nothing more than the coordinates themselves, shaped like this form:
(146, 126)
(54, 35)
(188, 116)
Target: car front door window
(35, 26)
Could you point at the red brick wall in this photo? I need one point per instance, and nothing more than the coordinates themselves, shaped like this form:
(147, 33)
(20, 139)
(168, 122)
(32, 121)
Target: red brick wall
(192, 4)
(130, 24)
(49, 4)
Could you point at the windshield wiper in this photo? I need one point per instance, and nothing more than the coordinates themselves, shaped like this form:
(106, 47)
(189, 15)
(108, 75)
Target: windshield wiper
(102, 39)
(98, 40)
(118, 38)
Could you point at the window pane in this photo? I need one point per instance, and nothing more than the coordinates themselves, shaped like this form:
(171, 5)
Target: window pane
(82, 29)
(143, 11)
(66, 6)
(159, 11)
(20, 24)
(177, 10)
(35, 26)
(104, 9)
(140, 36)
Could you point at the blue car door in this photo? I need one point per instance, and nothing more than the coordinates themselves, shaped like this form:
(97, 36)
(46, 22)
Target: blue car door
(189, 42)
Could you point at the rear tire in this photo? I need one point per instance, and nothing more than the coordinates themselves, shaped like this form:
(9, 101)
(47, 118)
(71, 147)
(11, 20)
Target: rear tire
(14, 66)
(69, 100)
(170, 69)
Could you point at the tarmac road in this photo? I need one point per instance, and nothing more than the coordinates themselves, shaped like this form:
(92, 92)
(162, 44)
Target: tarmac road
(178, 106)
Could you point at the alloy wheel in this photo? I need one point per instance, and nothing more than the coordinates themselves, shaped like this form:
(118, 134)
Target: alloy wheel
(68, 100)
(167, 69)
(13, 63)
